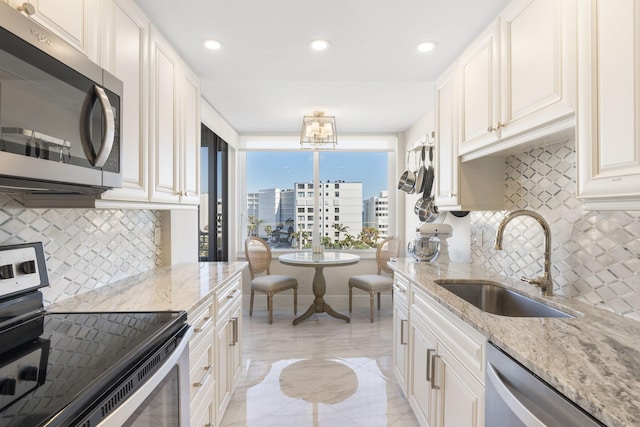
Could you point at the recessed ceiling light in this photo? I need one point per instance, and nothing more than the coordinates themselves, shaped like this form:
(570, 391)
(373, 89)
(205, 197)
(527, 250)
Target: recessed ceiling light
(426, 46)
(319, 44)
(213, 44)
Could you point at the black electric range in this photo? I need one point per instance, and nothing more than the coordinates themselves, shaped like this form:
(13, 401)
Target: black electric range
(58, 368)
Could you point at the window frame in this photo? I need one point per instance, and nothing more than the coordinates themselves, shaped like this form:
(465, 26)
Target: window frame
(290, 143)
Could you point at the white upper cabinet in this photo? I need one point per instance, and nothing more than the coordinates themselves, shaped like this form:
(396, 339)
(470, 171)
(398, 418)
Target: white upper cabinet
(163, 134)
(76, 21)
(474, 185)
(174, 127)
(190, 139)
(536, 73)
(479, 77)
(608, 124)
(129, 28)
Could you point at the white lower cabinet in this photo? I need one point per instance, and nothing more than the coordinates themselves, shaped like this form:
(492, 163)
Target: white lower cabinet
(215, 353)
(202, 363)
(445, 365)
(228, 344)
(400, 330)
(422, 394)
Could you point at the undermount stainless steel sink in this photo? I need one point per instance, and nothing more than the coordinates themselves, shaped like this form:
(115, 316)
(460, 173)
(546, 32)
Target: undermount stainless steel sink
(495, 299)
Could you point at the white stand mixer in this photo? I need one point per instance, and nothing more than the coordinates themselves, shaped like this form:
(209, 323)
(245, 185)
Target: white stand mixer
(431, 242)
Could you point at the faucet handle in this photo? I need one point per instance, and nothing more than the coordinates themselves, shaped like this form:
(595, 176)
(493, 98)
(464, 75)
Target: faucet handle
(539, 282)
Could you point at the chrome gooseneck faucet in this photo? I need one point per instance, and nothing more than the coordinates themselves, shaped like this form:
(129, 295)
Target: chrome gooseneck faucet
(544, 282)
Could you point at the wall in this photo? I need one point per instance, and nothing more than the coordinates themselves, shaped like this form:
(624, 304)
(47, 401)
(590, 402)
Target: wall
(84, 248)
(595, 254)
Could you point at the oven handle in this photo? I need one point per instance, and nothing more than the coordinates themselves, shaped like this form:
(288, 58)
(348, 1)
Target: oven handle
(515, 405)
(179, 357)
(97, 94)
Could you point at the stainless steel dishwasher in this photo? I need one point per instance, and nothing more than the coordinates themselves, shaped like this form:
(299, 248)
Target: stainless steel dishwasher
(516, 397)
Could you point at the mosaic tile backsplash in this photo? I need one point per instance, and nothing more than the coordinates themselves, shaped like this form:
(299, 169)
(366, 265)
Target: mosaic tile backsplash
(595, 254)
(85, 248)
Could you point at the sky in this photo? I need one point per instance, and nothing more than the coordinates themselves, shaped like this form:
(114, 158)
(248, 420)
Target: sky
(282, 169)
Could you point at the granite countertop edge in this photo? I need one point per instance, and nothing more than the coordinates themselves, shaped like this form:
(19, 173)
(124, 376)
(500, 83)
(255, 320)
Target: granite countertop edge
(180, 287)
(593, 359)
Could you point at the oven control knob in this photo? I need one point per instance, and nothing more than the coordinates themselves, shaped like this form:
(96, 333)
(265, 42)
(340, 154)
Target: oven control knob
(28, 267)
(8, 386)
(6, 271)
(29, 373)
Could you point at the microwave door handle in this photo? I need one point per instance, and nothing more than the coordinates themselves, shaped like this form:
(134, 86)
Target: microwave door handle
(99, 159)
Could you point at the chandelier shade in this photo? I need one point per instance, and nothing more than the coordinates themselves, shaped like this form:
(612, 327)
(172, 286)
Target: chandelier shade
(318, 132)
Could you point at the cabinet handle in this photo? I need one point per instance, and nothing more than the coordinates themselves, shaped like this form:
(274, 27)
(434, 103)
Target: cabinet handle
(205, 323)
(494, 128)
(234, 326)
(204, 377)
(452, 195)
(433, 372)
(429, 351)
(402, 321)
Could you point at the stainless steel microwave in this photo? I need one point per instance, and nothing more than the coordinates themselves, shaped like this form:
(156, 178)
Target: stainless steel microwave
(60, 114)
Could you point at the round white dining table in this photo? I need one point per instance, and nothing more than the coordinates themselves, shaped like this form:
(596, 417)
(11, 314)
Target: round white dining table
(319, 261)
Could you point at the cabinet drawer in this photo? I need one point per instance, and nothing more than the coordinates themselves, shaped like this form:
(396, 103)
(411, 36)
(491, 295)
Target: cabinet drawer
(461, 339)
(227, 296)
(201, 367)
(400, 289)
(203, 409)
(203, 322)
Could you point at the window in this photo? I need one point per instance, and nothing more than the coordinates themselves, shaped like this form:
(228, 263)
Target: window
(282, 196)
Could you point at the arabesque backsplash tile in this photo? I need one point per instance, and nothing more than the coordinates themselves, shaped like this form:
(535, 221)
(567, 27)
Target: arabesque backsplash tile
(595, 254)
(85, 248)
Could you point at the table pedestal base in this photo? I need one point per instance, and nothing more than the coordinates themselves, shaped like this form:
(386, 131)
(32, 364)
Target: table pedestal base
(319, 305)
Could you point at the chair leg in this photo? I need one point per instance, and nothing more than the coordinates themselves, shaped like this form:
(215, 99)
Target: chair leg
(270, 307)
(371, 305)
(251, 304)
(350, 299)
(378, 301)
(295, 301)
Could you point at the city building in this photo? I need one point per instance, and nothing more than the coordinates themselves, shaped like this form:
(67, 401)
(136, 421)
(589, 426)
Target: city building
(376, 213)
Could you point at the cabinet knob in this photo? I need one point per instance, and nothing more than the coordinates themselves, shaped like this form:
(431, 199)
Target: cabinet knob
(452, 195)
(494, 128)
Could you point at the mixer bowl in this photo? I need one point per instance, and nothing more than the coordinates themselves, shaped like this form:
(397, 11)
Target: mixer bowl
(424, 248)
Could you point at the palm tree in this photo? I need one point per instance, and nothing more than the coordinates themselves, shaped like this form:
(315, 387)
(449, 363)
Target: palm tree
(252, 224)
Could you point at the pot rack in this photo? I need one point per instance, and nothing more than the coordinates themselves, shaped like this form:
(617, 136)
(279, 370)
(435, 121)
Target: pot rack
(429, 140)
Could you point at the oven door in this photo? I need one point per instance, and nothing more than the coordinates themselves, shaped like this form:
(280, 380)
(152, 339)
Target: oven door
(161, 401)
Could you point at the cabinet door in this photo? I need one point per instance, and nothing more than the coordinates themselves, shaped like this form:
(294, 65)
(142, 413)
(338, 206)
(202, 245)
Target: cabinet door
(235, 348)
(76, 21)
(462, 396)
(422, 396)
(224, 336)
(164, 148)
(609, 104)
(190, 144)
(537, 64)
(446, 187)
(130, 28)
(479, 89)
(400, 343)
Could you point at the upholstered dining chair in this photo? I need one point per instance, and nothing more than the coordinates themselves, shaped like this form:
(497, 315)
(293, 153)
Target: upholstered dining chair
(376, 283)
(258, 255)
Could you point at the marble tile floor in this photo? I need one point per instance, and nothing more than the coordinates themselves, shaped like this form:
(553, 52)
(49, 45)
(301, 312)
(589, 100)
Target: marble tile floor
(320, 373)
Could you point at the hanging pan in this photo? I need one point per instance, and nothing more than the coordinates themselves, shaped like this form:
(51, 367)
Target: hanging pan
(407, 181)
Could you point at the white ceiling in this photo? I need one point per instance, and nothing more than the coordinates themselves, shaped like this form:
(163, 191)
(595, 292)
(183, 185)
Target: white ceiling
(371, 78)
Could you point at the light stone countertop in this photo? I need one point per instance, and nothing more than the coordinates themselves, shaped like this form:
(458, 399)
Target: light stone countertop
(172, 288)
(593, 359)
